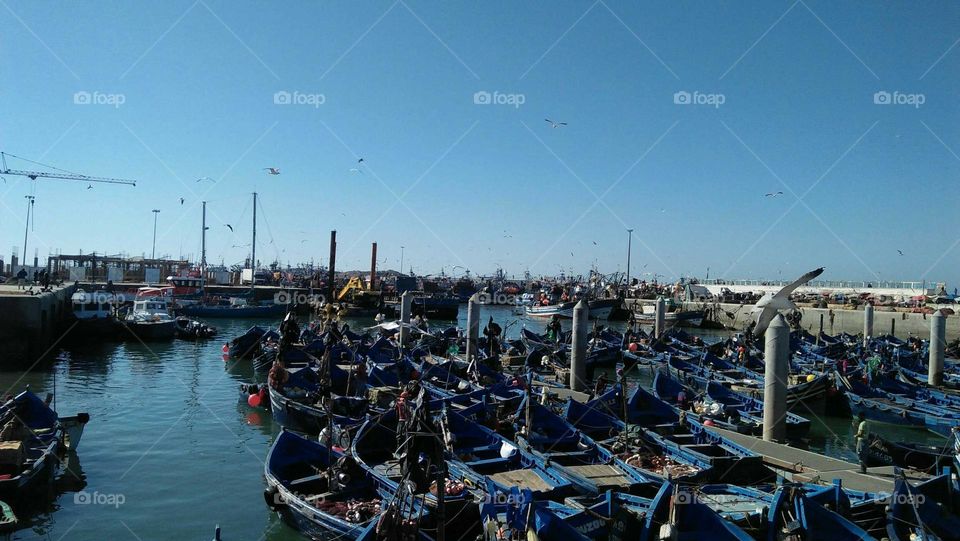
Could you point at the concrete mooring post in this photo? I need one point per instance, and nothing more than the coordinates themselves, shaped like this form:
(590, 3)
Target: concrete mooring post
(938, 346)
(893, 327)
(578, 353)
(473, 326)
(660, 318)
(867, 324)
(406, 306)
(776, 360)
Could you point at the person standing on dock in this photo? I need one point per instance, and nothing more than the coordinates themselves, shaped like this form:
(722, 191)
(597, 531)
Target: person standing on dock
(21, 278)
(863, 433)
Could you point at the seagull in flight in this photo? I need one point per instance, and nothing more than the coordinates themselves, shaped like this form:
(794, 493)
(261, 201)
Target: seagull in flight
(230, 227)
(182, 200)
(360, 161)
(201, 179)
(89, 186)
(773, 194)
(272, 170)
(355, 170)
(555, 124)
(770, 305)
(900, 252)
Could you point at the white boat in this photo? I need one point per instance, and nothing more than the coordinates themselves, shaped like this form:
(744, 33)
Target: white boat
(150, 317)
(95, 312)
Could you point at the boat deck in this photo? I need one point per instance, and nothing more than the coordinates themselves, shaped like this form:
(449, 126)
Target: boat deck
(522, 479)
(809, 467)
(603, 475)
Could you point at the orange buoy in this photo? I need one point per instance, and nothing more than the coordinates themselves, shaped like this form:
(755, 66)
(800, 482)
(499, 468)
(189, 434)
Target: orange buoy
(254, 400)
(633, 347)
(708, 422)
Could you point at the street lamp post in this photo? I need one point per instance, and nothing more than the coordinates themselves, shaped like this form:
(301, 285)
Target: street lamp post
(401, 260)
(629, 246)
(153, 254)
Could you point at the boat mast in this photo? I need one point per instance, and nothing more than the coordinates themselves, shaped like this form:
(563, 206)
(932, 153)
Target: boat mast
(203, 249)
(253, 247)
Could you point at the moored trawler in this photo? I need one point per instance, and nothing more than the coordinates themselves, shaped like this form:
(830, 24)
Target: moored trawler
(95, 313)
(599, 309)
(150, 318)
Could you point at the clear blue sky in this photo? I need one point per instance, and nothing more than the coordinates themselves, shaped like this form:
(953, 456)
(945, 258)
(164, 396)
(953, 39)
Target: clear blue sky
(488, 185)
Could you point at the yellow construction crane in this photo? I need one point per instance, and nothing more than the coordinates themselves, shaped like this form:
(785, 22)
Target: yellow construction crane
(354, 283)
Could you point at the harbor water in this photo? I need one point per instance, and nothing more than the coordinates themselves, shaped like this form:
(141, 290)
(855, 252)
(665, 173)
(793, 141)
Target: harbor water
(170, 451)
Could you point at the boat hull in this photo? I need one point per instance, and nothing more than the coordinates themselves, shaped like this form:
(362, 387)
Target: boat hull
(152, 330)
(599, 309)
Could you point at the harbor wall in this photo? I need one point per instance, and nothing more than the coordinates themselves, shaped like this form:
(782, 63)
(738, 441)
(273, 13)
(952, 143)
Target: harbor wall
(30, 325)
(844, 320)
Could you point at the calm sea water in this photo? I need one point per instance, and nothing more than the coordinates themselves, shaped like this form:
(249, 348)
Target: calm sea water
(170, 452)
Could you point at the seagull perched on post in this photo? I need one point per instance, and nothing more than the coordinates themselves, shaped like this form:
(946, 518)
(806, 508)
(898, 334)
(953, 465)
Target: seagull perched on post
(770, 305)
(272, 170)
(555, 124)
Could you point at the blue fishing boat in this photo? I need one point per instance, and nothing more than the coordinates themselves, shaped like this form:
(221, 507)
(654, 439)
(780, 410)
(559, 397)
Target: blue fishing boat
(793, 515)
(635, 447)
(683, 515)
(590, 466)
(927, 511)
(33, 437)
(318, 491)
(235, 311)
(298, 406)
(751, 410)
(248, 344)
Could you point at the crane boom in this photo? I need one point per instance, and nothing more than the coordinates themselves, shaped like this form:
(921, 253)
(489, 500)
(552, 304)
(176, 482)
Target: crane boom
(66, 175)
(41, 174)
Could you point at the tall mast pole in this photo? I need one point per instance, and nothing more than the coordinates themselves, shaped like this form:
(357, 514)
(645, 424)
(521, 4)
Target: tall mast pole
(26, 228)
(203, 248)
(253, 247)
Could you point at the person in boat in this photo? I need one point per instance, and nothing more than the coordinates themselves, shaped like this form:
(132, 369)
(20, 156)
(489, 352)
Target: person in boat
(378, 319)
(554, 328)
(683, 402)
(492, 332)
(278, 375)
(289, 330)
(600, 385)
(862, 439)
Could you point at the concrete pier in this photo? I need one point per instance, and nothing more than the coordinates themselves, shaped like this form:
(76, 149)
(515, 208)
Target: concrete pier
(473, 326)
(938, 346)
(836, 319)
(578, 353)
(776, 361)
(32, 324)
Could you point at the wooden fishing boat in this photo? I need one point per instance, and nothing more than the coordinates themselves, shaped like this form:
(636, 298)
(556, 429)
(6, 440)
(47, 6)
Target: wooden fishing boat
(248, 343)
(751, 409)
(479, 454)
(793, 515)
(317, 490)
(885, 452)
(927, 511)
(587, 464)
(30, 448)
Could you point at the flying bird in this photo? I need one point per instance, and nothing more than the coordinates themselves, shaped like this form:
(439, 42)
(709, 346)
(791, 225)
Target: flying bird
(355, 170)
(594, 243)
(181, 200)
(89, 186)
(272, 170)
(201, 179)
(770, 305)
(900, 252)
(302, 241)
(360, 160)
(230, 227)
(773, 194)
(555, 124)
